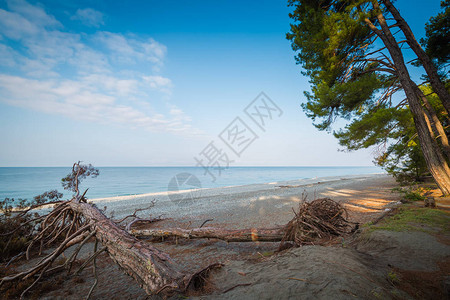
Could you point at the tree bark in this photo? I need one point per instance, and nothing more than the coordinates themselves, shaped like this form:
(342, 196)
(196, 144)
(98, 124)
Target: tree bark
(151, 268)
(229, 235)
(436, 163)
(436, 123)
(436, 83)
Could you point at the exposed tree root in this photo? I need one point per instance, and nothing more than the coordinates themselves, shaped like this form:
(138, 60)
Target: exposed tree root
(75, 222)
(320, 219)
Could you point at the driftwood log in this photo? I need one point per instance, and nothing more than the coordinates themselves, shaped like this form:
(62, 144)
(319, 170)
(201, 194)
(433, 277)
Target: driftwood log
(228, 235)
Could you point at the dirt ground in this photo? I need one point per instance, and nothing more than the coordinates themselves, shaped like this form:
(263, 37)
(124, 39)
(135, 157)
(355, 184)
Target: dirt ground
(376, 265)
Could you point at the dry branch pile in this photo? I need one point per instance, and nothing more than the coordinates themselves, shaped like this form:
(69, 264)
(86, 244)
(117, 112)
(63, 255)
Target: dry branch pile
(321, 219)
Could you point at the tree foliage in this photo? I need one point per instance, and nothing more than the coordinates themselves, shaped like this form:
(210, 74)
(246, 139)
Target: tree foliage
(332, 45)
(347, 50)
(437, 39)
(45, 197)
(17, 224)
(78, 174)
(391, 130)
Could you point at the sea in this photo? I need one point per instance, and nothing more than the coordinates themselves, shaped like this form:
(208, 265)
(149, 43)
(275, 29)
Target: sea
(27, 182)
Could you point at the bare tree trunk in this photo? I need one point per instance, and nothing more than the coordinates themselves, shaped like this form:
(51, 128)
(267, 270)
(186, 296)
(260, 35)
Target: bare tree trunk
(436, 123)
(229, 235)
(436, 163)
(435, 81)
(151, 268)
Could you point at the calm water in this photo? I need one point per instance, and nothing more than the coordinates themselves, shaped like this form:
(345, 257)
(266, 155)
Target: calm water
(119, 181)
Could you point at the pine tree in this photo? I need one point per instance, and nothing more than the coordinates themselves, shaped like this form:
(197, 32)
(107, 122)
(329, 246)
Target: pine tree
(354, 58)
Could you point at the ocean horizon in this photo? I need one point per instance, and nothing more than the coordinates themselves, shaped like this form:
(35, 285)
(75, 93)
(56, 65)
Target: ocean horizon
(27, 182)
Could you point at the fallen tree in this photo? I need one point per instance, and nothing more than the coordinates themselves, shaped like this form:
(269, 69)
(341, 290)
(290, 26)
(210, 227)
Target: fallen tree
(76, 222)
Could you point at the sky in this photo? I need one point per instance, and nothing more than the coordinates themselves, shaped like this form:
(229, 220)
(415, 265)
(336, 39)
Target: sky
(160, 83)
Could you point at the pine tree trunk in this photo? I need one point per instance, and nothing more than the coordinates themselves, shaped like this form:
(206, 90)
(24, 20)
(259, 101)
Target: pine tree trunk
(436, 123)
(151, 268)
(436, 163)
(437, 85)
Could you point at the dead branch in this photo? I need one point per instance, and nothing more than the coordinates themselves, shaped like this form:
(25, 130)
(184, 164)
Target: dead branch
(24, 211)
(235, 286)
(95, 273)
(139, 220)
(91, 258)
(134, 214)
(206, 221)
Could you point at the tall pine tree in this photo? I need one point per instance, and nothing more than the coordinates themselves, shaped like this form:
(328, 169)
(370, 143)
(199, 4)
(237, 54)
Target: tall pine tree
(354, 58)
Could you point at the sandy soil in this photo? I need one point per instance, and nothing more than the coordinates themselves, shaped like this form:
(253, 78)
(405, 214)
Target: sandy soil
(353, 268)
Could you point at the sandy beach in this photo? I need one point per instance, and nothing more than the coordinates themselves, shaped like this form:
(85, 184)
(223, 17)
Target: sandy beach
(355, 267)
(258, 205)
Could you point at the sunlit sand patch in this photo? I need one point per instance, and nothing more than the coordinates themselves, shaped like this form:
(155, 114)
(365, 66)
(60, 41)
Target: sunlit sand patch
(263, 198)
(339, 193)
(372, 203)
(294, 199)
(352, 192)
(359, 208)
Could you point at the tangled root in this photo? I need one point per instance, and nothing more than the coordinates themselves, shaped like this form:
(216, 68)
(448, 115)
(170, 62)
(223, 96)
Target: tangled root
(316, 222)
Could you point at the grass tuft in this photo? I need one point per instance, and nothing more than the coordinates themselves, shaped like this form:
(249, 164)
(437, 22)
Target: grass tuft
(418, 219)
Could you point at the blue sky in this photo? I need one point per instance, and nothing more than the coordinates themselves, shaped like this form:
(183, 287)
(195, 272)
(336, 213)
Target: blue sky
(152, 83)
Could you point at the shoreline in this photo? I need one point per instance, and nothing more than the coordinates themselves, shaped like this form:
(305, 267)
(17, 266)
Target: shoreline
(257, 186)
(245, 205)
(26, 183)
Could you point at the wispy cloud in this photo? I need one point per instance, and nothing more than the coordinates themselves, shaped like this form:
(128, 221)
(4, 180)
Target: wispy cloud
(80, 100)
(89, 17)
(130, 50)
(160, 83)
(101, 77)
(33, 13)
